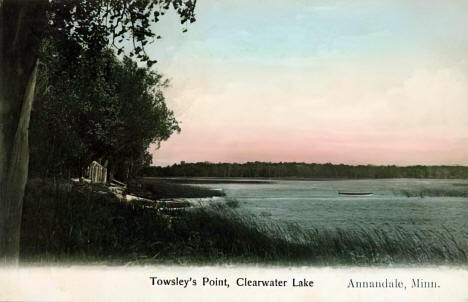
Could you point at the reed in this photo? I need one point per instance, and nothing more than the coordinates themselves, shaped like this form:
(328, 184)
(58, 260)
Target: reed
(63, 223)
(158, 189)
(456, 191)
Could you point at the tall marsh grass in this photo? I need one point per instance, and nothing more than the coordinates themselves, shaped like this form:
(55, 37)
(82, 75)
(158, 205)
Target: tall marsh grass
(436, 192)
(158, 189)
(70, 224)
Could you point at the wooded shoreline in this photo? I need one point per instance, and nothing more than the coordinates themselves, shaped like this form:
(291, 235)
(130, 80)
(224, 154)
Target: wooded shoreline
(299, 171)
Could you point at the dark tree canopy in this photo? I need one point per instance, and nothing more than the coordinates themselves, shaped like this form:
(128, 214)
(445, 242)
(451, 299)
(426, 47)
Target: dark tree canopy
(95, 108)
(82, 25)
(97, 23)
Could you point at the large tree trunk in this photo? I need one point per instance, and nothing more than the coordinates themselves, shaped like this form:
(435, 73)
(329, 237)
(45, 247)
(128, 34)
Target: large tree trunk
(21, 25)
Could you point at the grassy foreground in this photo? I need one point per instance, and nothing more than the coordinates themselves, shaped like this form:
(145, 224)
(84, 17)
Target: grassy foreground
(64, 223)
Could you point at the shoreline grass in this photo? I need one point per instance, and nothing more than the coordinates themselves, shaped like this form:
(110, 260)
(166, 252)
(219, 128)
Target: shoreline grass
(435, 192)
(161, 189)
(63, 224)
(210, 180)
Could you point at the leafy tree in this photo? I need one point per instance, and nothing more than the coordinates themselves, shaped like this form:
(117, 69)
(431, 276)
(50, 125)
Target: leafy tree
(91, 24)
(101, 109)
(143, 114)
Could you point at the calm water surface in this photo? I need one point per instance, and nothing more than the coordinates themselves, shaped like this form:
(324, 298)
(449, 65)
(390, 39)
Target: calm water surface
(316, 204)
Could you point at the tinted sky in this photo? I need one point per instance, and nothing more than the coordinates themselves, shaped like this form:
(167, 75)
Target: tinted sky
(357, 82)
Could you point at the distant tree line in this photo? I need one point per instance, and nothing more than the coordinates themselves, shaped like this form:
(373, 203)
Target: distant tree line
(303, 170)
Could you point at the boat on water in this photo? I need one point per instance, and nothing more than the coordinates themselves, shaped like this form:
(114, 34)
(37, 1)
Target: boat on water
(356, 193)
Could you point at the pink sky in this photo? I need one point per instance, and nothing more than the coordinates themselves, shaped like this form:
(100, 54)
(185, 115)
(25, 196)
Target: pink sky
(355, 82)
(215, 146)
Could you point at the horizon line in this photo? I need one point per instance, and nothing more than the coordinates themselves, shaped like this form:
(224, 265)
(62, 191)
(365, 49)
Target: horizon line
(313, 163)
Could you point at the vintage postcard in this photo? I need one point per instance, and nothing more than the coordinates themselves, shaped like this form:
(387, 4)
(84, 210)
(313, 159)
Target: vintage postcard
(222, 150)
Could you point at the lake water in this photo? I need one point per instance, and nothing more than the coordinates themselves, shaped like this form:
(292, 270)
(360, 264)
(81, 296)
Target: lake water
(317, 204)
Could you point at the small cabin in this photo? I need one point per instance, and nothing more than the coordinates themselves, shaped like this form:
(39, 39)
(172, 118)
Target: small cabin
(97, 173)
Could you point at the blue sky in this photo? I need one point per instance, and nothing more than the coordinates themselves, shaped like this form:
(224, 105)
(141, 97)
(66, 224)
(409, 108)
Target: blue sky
(381, 82)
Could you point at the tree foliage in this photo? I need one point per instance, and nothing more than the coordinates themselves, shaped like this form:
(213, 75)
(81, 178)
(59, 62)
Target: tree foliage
(95, 107)
(97, 23)
(89, 25)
